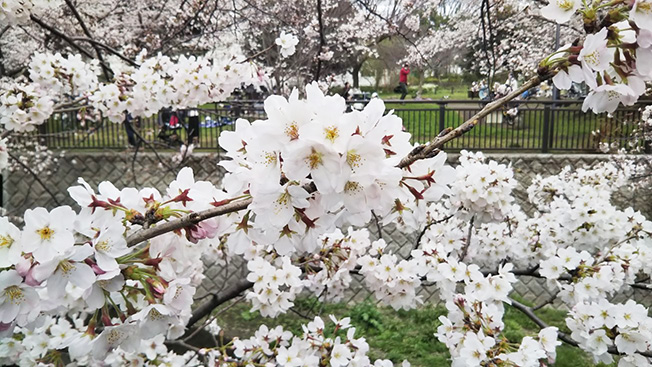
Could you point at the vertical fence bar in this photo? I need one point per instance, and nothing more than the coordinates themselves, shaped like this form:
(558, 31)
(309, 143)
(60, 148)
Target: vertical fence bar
(442, 117)
(551, 124)
(546, 129)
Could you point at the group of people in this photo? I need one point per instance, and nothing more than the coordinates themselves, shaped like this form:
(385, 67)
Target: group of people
(169, 123)
(401, 88)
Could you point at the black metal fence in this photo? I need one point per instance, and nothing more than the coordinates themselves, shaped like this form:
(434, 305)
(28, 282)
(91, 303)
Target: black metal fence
(543, 126)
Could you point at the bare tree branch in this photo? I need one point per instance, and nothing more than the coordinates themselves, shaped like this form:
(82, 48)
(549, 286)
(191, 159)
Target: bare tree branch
(69, 40)
(188, 220)
(105, 68)
(218, 299)
(322, 39)
(109, 49)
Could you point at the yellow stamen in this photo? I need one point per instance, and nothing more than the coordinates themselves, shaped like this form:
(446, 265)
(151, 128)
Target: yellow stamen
(46, 233)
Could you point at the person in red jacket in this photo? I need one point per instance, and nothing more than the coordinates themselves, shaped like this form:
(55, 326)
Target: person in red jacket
(402, 80)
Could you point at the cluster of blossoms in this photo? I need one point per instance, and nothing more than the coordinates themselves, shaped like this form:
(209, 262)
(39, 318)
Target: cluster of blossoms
(472, 331)
(33, 346)
(158, 82)
(485, 190)
(331, 266)
(601, 326)
(33, 154)
(638, 138)
(274, 287)
(604, 178)
(19, 11)
(393, 281)
(320, 345)
(324, 167)
(592, 280)
(24, 106)
(60, 75)
(64, 262)
(615, 57)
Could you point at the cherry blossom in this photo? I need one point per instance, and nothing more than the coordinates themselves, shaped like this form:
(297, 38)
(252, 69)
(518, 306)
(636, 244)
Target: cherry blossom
(287, 42)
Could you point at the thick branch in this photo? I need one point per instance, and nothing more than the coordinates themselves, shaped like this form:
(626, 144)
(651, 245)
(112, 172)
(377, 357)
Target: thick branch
(188, 220)
(322, 39)
(218, 299)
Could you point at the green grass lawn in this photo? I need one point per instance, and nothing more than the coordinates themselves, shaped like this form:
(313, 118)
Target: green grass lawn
(457, 92)
(397, 335)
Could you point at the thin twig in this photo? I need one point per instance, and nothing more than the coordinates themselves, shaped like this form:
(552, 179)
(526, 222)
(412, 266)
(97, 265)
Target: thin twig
(425, 229)
(378, 226)
(109, 49)
(186, 221)
(465, 249)
(158, 156)
(105, 68)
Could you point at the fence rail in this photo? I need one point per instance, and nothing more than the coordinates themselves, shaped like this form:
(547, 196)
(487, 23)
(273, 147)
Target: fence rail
(543, 126)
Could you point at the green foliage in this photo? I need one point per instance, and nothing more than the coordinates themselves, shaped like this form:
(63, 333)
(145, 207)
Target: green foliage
(366, 316)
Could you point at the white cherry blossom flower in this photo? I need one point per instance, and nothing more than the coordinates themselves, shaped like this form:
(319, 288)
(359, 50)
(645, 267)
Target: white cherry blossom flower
(16, 298)
(48, 234)
(65, 268)
(561, 11)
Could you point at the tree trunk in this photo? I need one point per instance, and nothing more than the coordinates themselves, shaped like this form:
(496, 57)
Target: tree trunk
(356, 75)
(377, 76)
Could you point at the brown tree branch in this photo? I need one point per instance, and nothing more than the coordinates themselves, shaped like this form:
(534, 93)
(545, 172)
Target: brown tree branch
(322, 39)
(105, 68)
(59, 34)
(188, 220)
(218, 299)
(109, 49)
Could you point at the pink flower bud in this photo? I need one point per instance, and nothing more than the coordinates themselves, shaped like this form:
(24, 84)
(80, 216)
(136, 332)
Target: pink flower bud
(202, 230)
(30, 280)
(23, 266)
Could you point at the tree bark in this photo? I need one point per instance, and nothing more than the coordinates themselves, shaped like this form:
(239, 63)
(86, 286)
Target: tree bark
(421, 80)
(322, 40)
(356, 74)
